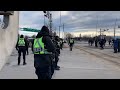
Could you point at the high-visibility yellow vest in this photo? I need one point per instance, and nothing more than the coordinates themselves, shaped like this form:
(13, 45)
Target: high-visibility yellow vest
(39, 48)
(21, 42)
(71, 40)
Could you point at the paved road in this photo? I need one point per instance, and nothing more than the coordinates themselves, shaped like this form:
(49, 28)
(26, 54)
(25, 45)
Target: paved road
(77, 64)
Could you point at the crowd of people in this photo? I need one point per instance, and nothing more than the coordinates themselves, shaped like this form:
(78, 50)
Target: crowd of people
(98, 42)
(46, 49)
(101, 42)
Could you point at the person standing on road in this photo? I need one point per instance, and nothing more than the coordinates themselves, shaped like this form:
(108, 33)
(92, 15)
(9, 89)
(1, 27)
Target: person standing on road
(101, 42)
(104, 41)
(61, 44)
(71, 42)
(115, 44)
(57, 53)
(27, 45)
(21, 47)
(43, 48)
(110, 41)
(118, 45)
(96, 42)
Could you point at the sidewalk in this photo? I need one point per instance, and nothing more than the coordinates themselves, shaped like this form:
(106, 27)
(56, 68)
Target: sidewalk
(12, 71)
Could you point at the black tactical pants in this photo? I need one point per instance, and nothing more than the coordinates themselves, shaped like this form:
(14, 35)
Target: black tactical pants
(119, 49)
(71, 46)
(22, 50)
(115, 50)
(43, 73)
(96, 44)
(43, 67)
(56, 61)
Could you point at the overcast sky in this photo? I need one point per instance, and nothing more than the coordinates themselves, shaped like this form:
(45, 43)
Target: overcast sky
(76, 22)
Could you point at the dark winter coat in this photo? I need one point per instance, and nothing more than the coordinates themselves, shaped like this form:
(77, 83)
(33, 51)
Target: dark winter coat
(21, 47)
(43, 60)
(115, 42)
(119, 43)
(71, 44)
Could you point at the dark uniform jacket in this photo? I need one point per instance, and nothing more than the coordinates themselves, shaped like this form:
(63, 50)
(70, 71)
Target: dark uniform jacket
(44, 60)
(21, 47)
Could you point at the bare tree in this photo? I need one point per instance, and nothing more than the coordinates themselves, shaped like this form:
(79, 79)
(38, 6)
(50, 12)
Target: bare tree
(69, 35)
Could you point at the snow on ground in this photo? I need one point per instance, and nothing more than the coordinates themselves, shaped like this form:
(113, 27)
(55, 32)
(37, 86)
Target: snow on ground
(76, 64)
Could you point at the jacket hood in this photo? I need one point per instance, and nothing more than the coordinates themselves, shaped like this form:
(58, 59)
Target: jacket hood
(44, 32)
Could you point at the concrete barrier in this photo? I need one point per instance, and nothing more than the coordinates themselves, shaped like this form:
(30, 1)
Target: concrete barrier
(8, 36)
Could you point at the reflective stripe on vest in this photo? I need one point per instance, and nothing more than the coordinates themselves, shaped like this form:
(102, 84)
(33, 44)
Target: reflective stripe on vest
(21, 42)
(71, 40)
(39, 47)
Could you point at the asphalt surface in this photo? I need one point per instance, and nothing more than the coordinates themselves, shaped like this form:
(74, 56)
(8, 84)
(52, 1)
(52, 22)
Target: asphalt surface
(81, 63)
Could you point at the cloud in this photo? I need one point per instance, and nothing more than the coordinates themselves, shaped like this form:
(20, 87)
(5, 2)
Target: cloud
(74, 21)
(32, 19)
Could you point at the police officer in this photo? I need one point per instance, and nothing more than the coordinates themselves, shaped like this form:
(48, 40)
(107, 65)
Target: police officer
(71, 42)
(61, 44)
(57, 53)
(27, 45)
(43, 48)
(118, 44)
(101, 42)
(21, 47)
(115, 43)
(96, 41)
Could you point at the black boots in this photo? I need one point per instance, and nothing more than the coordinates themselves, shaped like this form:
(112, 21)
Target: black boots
(24, 63)
(57, 68)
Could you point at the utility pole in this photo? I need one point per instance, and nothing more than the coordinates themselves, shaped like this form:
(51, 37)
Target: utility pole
(44, 16)
(44, 19)
(59, 31)
(96, 25)
(63, 30)
(60, 24)
(100, 32)
(115, 27)
(50, 22)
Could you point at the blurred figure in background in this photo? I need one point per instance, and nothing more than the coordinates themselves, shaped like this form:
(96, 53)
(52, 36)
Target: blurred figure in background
(21, 47)
(71, 43)
(27, 45)
(115, 44)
